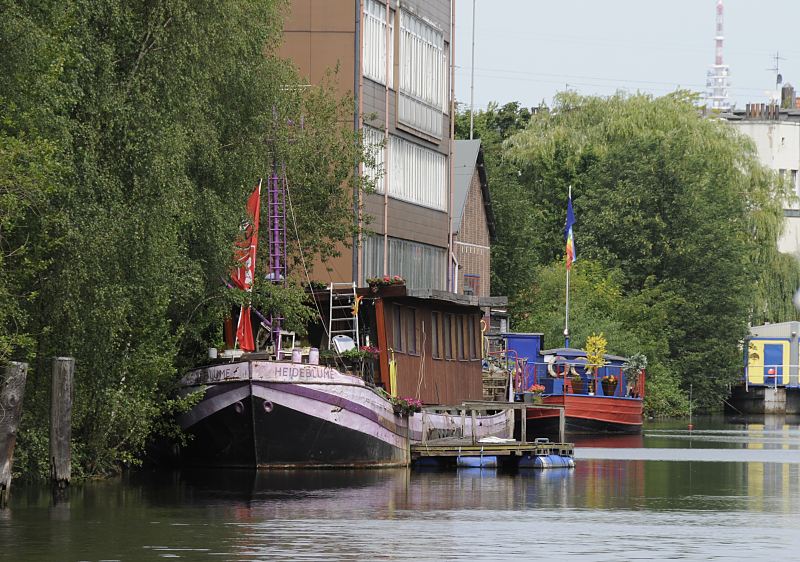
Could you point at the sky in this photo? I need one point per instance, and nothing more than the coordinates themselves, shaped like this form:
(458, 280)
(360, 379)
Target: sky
(528, 50)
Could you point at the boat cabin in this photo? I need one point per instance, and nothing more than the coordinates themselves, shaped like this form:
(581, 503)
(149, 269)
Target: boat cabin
(420, 343)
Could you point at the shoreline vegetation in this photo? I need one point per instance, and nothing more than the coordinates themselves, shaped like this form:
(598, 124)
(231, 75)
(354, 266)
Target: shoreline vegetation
(130, 136)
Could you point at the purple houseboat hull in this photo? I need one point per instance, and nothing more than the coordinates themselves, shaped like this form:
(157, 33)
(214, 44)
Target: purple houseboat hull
(266, 414)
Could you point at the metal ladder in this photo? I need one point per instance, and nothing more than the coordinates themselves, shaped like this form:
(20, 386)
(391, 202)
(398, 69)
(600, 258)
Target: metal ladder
(341, 320)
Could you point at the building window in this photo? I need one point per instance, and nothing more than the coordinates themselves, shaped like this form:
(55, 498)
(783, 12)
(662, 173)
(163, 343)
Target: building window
(421, 265)
(472, 284)
(423, 75)
(375, 42)
(411, 330)
(376, 169)
(397, 329)
(435, 322)
(447, 337)
(418, 174)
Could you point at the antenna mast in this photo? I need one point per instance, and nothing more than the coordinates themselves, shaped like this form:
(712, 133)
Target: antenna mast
(717, 81)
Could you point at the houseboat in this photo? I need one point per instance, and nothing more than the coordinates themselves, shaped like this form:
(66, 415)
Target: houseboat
(599, 400)
(770, 382)
(387, 350)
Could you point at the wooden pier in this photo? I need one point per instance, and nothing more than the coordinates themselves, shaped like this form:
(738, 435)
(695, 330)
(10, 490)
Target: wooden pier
(506, 452)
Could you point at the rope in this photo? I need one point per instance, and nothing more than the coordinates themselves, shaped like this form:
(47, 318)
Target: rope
(305, 268)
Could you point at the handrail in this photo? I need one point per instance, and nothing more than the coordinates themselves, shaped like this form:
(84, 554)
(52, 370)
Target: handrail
(590, 383)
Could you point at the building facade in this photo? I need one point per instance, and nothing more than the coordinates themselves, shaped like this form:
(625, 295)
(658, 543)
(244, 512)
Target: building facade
(473, 221)
(394, 58)
(776, 134)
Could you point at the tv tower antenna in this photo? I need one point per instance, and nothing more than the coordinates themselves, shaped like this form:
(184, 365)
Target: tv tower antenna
(717, 81)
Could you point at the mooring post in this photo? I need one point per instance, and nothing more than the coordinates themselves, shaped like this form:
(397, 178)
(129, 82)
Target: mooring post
(61, 421)
(12, 390)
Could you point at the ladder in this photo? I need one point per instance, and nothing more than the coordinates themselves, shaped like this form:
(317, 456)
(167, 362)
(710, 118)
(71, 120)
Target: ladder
(341, 320)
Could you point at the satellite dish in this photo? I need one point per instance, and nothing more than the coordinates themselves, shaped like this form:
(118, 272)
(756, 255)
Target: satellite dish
(780, 79)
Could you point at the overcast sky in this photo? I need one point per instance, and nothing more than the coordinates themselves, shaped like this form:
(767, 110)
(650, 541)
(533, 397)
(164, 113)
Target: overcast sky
(527, 50)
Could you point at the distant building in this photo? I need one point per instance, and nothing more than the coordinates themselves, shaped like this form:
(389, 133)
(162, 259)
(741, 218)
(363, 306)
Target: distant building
(473, 221)
(776, 133)
(395, 59)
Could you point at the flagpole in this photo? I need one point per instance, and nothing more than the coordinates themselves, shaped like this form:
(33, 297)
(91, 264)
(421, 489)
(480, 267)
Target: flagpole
(566, 319)
(566, 312)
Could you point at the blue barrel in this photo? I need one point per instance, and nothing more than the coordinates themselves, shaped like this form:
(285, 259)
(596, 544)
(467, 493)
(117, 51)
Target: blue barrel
(547, 461)
(477, 462)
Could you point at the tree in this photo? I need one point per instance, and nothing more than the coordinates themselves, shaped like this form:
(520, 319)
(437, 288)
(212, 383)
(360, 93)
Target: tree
(154, 121)
(677, 204)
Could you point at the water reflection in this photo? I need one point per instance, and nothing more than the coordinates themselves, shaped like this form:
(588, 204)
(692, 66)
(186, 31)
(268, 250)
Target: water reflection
(664, 494)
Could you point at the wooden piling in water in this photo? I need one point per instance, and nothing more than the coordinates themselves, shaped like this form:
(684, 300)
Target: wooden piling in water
(61, 421)
(12, 391)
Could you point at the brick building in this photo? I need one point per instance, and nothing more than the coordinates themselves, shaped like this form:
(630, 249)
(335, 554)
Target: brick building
(473, 221)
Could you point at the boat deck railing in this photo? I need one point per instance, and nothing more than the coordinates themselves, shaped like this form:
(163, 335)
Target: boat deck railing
(563, 376)
(472, 409)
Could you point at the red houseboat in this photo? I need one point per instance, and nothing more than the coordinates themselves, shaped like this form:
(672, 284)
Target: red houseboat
(600, 400)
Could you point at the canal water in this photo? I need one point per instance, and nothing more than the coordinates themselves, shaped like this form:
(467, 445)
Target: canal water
(724, 491)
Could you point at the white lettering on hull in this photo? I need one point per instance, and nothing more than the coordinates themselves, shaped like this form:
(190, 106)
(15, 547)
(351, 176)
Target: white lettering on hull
(268, 371)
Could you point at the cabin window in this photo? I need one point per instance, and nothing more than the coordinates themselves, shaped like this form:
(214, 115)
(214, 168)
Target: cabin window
(460, 335)
(397, 329)
(471, 320)
(447, 337)
(435, 351)
(411, 330)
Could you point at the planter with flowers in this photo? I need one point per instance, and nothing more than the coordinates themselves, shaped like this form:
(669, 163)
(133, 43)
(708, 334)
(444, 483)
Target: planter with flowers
(534, 394)
(389, 286)
(609, 383)
(405, 406)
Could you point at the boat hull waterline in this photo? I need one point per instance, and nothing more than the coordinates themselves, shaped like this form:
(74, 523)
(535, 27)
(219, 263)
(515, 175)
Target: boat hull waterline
(269, 414)
(586, 414)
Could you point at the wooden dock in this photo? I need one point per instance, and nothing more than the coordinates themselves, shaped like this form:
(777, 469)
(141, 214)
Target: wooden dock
(505, 452)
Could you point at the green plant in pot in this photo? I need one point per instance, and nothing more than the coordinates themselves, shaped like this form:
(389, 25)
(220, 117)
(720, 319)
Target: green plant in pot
(595, 353)
(632, 369)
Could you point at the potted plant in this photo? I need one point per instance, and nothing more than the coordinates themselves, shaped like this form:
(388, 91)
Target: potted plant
(534, 394)
(405, 406)
(377, 283)
(632, 369)
(595, 354)
(609, 383)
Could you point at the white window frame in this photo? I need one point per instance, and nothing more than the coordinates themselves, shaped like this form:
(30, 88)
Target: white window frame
(422, 75)
(375, 42)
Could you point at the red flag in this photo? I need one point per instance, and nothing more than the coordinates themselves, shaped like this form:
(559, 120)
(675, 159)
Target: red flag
(246, 246)
(244, 331)
(244, 274)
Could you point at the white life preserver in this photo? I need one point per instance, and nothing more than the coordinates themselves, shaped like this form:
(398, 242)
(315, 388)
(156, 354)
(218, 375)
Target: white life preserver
(557, 369)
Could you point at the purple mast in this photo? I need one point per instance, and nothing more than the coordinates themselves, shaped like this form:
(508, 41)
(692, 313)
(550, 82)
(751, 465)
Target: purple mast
(276, 243)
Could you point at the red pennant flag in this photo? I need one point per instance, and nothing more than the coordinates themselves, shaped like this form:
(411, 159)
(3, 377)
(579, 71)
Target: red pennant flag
(246, 246)
(244, 274)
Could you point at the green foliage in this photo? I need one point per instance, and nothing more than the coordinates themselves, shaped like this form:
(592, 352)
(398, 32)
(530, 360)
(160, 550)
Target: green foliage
(130, 136)
(676, 228)
(596, 350)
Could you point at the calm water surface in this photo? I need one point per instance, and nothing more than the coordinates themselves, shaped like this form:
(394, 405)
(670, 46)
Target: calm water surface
(725, 491)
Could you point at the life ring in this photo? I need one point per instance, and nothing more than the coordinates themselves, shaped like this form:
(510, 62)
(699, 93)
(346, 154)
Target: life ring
(557, 369)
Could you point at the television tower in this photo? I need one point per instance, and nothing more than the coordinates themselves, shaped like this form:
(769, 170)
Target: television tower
(717, 80)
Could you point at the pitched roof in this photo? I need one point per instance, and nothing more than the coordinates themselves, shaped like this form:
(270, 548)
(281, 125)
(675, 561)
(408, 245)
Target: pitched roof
(468, 156)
